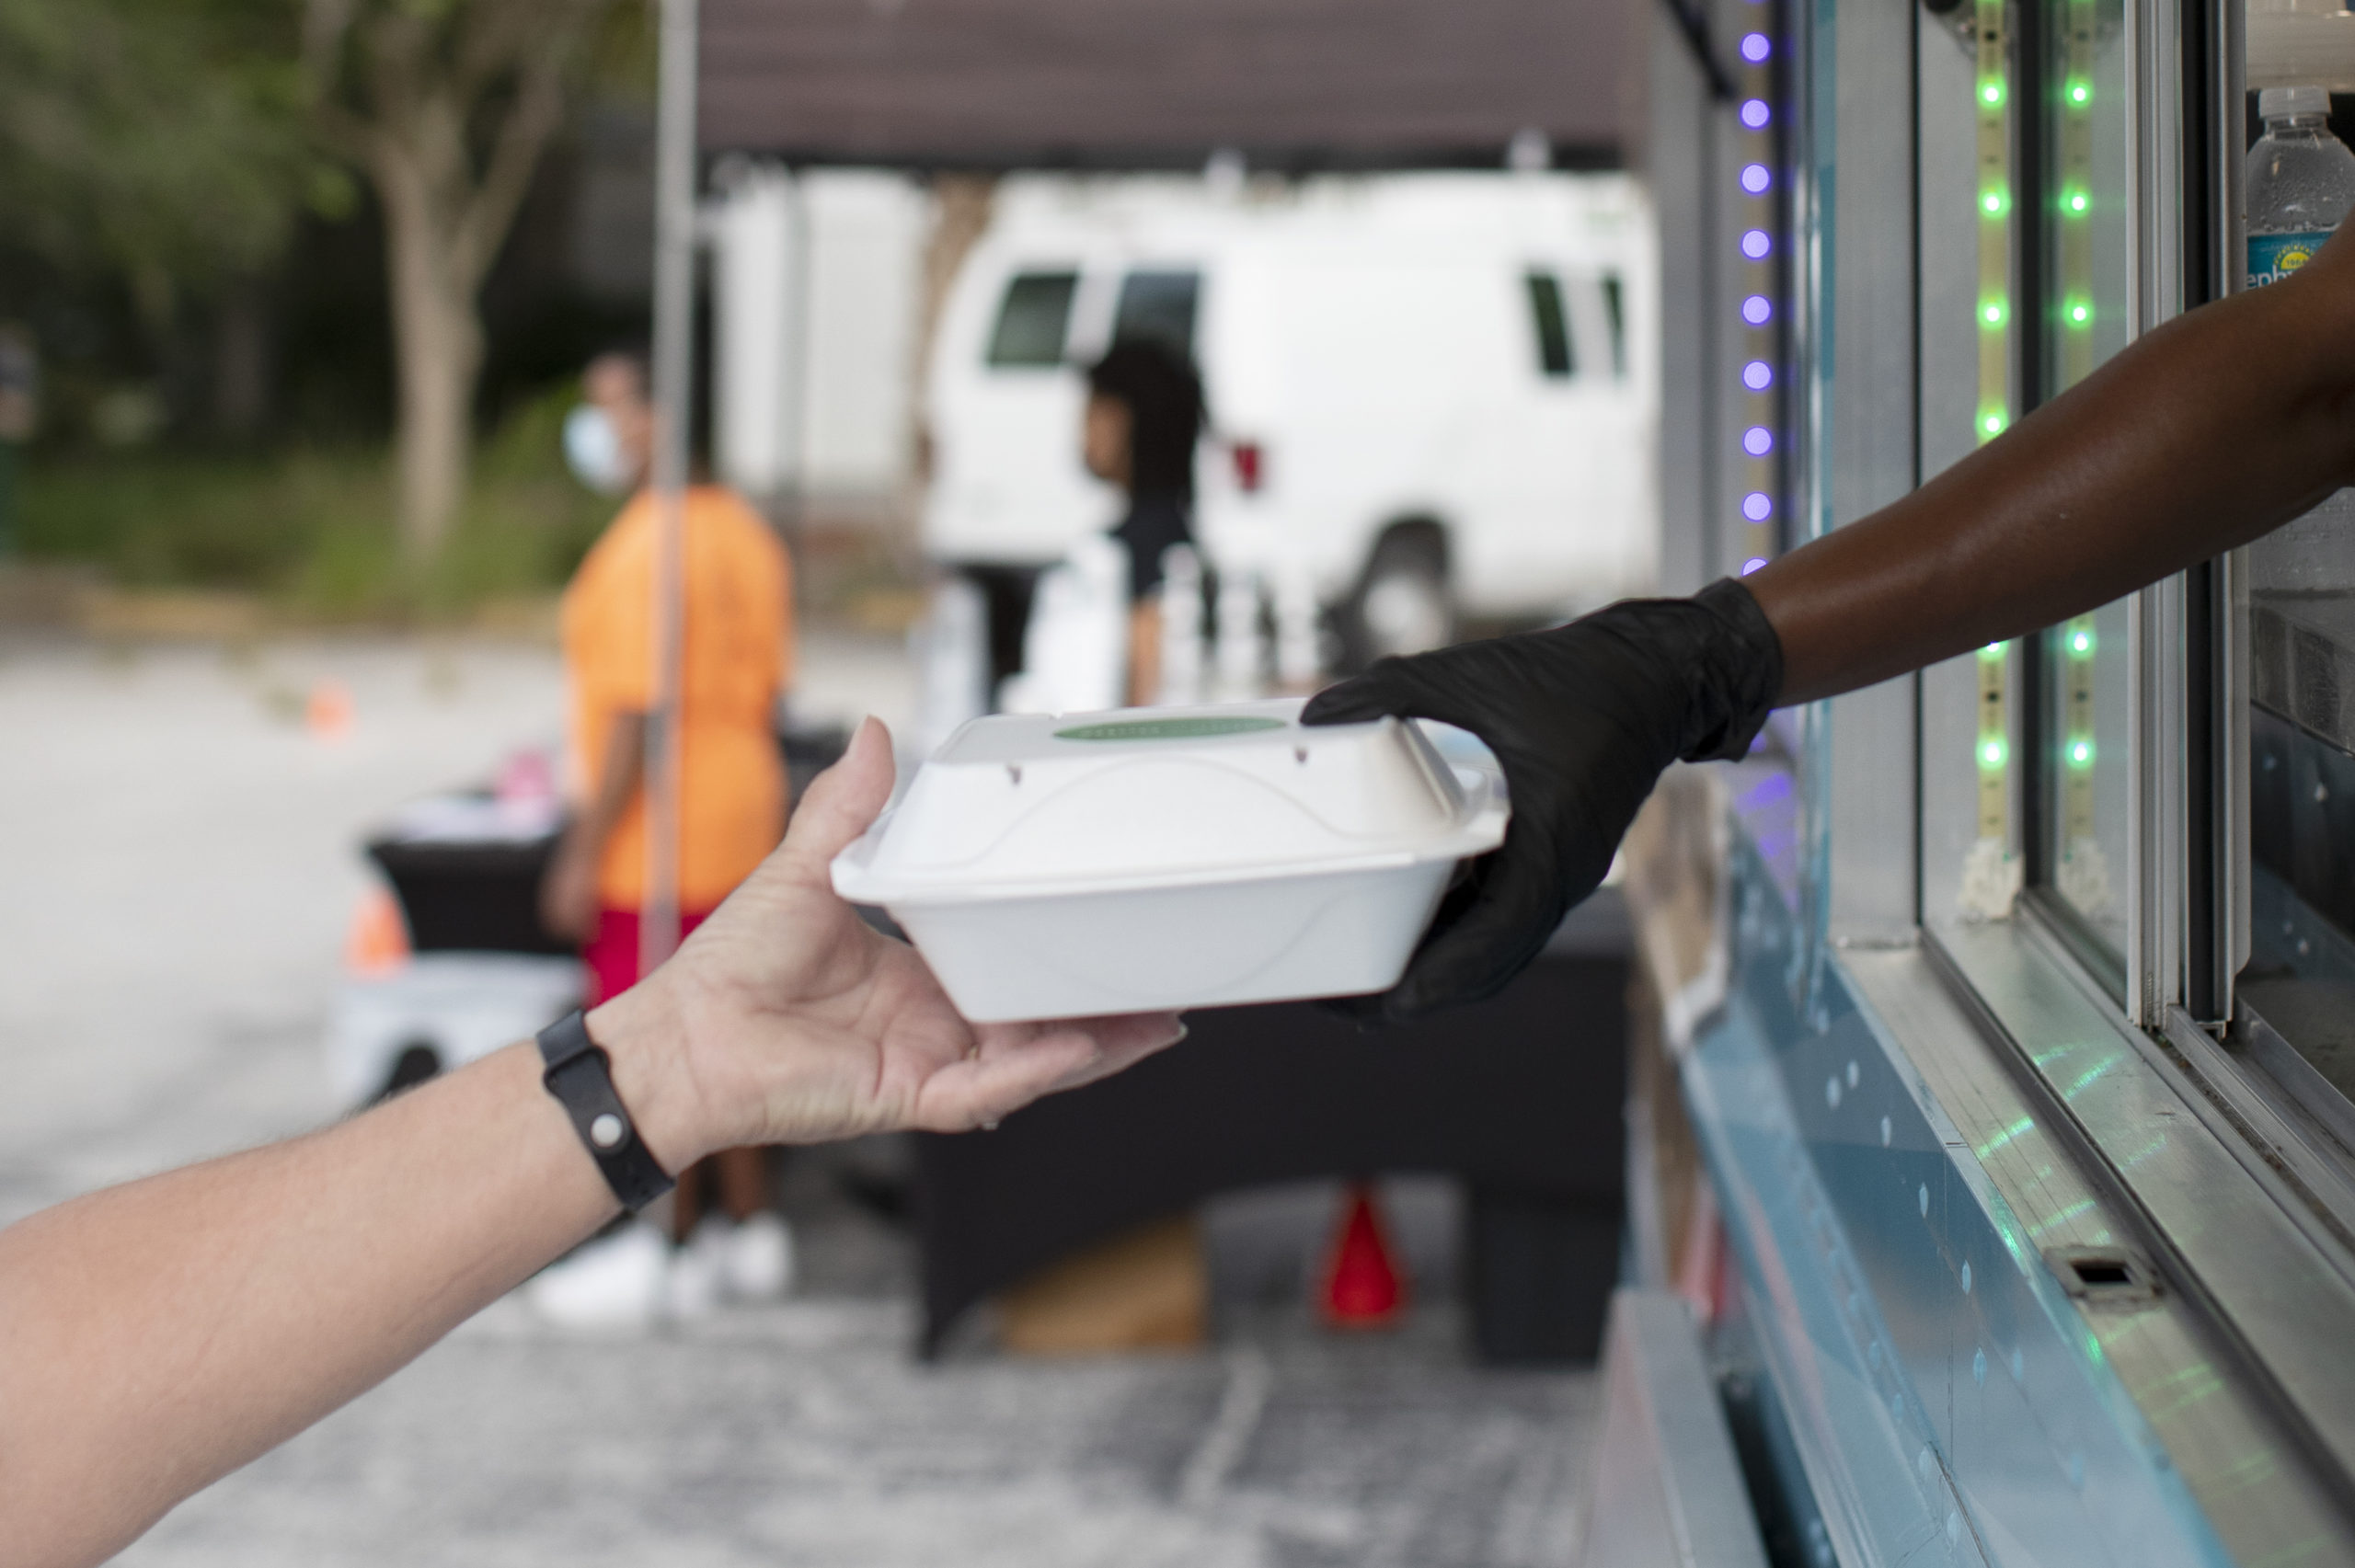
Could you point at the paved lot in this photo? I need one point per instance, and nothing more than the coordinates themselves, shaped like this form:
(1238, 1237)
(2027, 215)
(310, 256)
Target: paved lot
(177, 867)
(801, 1434)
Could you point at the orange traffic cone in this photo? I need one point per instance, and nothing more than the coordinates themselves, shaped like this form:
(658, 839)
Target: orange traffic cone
(328, 712)
(1364, 1287)
(377, 944)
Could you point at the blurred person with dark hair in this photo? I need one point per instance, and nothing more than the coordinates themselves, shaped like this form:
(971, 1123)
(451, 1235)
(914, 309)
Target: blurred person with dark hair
(737, 657)
(1144, 415)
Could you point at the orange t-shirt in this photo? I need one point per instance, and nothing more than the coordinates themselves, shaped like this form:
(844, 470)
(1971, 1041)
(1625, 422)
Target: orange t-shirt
(738, 655)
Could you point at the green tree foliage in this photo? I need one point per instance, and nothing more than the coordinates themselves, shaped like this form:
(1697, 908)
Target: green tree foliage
(447, 105)
(159, 140)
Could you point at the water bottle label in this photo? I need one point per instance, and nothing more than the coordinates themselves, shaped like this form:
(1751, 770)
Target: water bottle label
(2272, 258)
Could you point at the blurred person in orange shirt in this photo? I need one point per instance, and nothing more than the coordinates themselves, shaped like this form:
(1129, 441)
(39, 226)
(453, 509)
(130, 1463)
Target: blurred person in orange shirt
(737, 657)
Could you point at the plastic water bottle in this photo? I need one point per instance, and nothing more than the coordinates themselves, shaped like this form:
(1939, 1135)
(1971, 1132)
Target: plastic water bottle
(951, 649)
(1181, 625)
(1299, 653)
(2301, 182)
(1075, 650)
(1239, 655)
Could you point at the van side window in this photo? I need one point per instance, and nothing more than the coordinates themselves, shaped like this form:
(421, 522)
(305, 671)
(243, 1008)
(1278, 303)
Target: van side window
(1032, 320)
(1159, 305)
(1553, 325)
(1614, 307)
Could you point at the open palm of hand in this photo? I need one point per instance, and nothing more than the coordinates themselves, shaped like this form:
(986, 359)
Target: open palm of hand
(796, 1022)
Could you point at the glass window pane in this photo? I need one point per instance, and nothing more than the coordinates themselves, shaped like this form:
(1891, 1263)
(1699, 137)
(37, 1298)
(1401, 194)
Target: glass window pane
(1032, 320)
(2087, 218)
(1158, 306)
(2300, 975)
(2082, 769)
(2086, 770)
(2300, 624)
(1970, 346)
(1552, 324)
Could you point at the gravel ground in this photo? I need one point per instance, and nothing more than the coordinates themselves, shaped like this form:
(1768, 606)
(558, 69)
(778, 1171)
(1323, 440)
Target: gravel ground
(177, 863)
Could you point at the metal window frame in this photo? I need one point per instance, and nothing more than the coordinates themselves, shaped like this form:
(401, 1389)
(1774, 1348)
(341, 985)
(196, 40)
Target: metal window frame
(2188, 919)
(2086, 1115)
(2155, 868)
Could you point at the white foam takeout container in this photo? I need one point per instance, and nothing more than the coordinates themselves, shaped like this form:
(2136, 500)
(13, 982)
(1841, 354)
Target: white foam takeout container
(1059, 866)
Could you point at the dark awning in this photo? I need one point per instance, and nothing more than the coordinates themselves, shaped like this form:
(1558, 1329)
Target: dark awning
(1165, 83)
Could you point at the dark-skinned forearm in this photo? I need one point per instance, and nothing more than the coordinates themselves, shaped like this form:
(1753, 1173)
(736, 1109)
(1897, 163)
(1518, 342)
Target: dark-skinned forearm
(2202, 435)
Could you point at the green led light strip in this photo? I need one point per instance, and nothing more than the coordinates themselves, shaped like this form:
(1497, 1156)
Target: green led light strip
(2078, 869)
(1994, 746)
(1994, 163)
(1994, 414)
(2075, 202)
(2077, 727)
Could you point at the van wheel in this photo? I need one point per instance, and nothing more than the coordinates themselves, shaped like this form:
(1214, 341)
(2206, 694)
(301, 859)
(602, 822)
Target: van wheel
(1402, 605)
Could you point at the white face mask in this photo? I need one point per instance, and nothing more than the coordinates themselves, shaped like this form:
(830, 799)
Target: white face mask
(593, 450)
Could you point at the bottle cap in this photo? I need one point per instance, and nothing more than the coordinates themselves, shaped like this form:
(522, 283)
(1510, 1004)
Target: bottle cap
(2275, 103)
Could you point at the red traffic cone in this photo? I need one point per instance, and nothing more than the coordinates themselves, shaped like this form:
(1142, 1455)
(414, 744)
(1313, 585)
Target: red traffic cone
(1364, 1287)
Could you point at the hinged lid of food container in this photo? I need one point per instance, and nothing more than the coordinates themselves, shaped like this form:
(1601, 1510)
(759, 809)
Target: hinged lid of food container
(1031, 805)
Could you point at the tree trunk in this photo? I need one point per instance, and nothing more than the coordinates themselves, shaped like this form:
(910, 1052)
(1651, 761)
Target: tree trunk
(437, 347)
(241, 362)
(431, 71)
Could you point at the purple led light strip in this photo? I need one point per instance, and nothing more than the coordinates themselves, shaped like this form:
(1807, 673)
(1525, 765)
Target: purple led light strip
(1757, 243)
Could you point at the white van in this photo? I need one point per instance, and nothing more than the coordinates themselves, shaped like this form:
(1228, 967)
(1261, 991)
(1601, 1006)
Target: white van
(1431, 395)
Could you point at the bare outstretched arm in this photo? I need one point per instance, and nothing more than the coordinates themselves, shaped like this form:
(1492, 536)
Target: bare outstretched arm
(158, 1335)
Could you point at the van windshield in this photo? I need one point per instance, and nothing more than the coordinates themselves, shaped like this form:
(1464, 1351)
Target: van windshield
(1032, 320)
(1159, 305)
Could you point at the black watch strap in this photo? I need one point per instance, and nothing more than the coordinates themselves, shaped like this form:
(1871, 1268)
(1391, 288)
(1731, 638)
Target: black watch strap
(579, 1075)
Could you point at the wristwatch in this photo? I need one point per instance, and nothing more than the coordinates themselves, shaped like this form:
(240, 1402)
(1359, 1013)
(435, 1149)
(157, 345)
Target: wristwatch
(581, 1076)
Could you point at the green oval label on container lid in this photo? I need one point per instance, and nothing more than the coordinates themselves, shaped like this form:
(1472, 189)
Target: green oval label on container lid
(1170, 728)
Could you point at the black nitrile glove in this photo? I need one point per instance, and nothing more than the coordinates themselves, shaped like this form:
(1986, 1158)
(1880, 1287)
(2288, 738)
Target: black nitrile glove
(1584, 717)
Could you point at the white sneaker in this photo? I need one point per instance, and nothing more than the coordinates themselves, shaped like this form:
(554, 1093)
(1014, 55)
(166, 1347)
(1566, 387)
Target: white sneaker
(615, 1282)
(698, 1271)
(759, 1258)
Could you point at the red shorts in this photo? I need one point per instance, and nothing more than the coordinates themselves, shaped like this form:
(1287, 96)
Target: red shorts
(611, 954)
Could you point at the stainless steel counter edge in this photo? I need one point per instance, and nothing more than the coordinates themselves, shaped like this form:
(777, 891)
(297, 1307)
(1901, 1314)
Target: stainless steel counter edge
(2220, 1432)
(2273, 1295)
